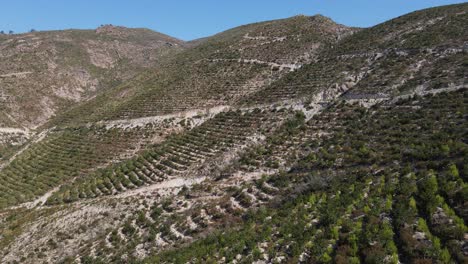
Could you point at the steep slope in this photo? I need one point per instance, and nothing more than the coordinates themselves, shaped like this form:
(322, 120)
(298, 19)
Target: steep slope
(423, 50)
(219, 70)
(352, 157)
(194, 79)
(367, 185)
(44, 73)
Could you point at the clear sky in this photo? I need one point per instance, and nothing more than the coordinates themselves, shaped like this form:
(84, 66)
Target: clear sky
(191, 19)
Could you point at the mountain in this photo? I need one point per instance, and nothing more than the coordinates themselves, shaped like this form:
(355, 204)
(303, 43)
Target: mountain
(420, 51)
(290, 141)
(217, 71)
(45, 73)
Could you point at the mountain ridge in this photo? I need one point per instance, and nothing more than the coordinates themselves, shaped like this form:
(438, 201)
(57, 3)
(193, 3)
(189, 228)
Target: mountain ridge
(217, 50)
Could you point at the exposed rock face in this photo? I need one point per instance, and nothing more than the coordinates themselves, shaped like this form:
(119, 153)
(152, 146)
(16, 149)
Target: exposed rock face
(440, 218)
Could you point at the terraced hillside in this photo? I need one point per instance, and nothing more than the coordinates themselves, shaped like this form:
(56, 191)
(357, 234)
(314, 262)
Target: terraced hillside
(175, 156)
(218, 71)
(354, 194)
(421, 51)
(289, 141)
(61, 156)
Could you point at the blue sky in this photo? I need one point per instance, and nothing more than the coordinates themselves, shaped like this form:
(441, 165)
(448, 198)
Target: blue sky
(190, 19)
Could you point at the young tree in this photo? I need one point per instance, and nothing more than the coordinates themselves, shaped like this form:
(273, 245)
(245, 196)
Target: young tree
(428, 191)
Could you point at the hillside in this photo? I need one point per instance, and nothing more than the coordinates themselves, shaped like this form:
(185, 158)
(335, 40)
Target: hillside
(421, 51)
(290, 141)
(220, 70)
(44, 73)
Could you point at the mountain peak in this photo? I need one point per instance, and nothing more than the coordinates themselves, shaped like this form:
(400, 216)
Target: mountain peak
(110, 29)
(316, 17)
